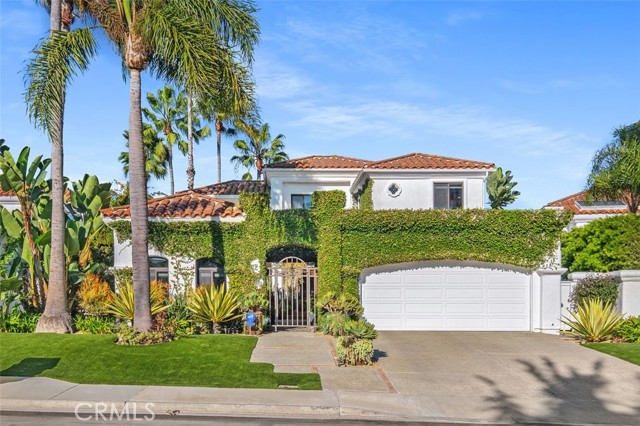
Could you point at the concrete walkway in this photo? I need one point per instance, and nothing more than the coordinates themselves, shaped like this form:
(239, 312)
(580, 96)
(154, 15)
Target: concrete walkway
(454, 377)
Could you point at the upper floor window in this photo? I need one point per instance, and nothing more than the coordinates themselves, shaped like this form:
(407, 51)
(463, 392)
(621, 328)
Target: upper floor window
(447, 196)
(158, 269)
(300, 201)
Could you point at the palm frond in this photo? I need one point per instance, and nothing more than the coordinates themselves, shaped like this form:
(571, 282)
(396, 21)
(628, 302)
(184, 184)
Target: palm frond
(56, 61)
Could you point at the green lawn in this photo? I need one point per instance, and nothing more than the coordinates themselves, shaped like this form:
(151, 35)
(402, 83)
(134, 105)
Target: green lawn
(207, 360)
(627, 351)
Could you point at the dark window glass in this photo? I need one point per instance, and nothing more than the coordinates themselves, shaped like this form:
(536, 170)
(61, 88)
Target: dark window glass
(447, 196)
(300, 201)
(158, 262)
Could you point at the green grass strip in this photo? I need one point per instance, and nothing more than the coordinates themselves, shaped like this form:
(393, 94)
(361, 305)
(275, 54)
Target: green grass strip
(626, 351)
(207, 360)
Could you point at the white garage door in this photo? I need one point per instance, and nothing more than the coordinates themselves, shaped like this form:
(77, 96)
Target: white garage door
(447, 298)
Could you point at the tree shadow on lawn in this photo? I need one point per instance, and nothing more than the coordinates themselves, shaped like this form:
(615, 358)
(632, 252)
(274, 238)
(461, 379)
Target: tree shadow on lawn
(30, 367)
(570, 397)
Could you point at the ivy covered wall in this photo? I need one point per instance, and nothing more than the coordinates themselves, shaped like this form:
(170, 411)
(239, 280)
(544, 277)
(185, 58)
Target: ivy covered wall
(348, 241)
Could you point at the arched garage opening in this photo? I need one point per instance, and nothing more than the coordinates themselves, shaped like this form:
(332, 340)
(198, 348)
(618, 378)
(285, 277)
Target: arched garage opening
(462, 296)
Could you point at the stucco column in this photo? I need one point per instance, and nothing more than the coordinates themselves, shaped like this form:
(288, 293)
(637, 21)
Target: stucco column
(630, 292)
(546, 300)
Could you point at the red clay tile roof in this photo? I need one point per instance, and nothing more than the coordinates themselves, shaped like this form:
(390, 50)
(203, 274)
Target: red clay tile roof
(320, 162)
(232, 187)
(427, 161)
(570, 203)
(181, 205)
(7, 193)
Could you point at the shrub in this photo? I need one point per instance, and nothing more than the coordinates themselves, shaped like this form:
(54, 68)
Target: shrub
(122, 305)
(130, 336)
(594, 321)
(604, 245)
(345, 303)
(19, 323)
(333, 323)
(94, 325)
(94, 295)
(354, 351)
(361, 329)
(597, 286)
(629, 330)
(211, 303)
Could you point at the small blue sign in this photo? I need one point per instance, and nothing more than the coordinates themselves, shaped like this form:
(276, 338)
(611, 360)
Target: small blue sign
(250, 318)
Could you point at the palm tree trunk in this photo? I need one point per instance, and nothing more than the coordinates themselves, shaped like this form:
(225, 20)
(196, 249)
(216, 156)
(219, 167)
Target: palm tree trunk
(171, 169)
(138, 197)
(56, 317)
(191, 170)
(219, 147)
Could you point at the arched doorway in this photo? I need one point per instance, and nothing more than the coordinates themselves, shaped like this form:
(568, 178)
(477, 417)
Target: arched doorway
(293, 286)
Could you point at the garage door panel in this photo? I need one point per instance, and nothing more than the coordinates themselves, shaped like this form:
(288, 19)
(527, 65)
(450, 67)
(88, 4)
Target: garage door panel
(466, 278)
(447, 298)
(384, 308)
(461, 324)
(423, 293)
(465, 308)
(422, 278)
(464, 293)
(510, 308)
(508, 324)
(423, 308)
(384, 293)
(507, 293)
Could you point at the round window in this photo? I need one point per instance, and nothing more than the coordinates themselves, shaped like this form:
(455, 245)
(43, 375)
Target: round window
(394, 190)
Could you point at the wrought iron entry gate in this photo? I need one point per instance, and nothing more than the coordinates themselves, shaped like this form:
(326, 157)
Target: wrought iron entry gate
(293, 286)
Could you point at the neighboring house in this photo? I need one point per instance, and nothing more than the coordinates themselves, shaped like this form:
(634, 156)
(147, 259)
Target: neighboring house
(8, 200)
(412, 181)
(587, 211)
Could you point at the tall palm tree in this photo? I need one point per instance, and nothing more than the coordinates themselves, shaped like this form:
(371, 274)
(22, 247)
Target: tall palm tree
(183, 41)
(55, 62)
(155, 153)
(259, 151)
(226, 107)
(166, 112)
(195, 133)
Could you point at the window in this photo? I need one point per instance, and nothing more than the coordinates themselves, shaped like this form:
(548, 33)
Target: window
(394, 190)
(209, 272)
(447, 196)
(605, 205)
(158, 269)
(300, 201)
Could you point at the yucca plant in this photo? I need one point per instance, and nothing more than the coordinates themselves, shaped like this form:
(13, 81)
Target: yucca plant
(211, 303)
(594, 321)
(122, 305)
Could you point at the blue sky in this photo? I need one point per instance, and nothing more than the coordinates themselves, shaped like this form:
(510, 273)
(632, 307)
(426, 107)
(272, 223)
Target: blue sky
(535, 87)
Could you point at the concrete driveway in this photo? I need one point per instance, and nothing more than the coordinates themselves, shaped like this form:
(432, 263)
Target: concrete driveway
(511, 376)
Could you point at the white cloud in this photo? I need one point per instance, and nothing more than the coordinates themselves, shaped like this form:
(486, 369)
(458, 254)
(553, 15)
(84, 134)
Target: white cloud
(460, 16)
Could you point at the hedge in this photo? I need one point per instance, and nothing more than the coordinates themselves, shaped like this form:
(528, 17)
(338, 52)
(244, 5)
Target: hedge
(604, 245)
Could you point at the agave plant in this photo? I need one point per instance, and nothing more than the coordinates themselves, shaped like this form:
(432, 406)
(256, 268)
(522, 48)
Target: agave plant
(594, 321)
(211, 303)
(122, 304)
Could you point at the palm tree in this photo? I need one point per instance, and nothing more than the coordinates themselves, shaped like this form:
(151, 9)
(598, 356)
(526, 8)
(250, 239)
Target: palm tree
(166, 112)
(195, 133)
(155, 153)
(226, 107)
(615, 173)
(183, 41)
(55, 62)
(259, 151)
